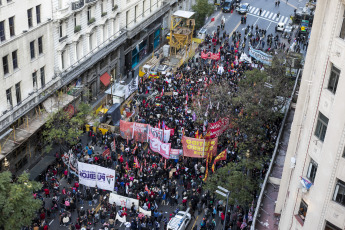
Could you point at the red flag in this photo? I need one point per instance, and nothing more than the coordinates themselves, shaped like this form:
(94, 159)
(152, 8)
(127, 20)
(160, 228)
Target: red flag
(127, 168)
(136, 146)
(221, 157)
(197, 134)
(106, 153)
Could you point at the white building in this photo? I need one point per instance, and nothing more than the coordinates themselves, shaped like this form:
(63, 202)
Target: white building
(317, 139)
(72, 47)
(27, 63)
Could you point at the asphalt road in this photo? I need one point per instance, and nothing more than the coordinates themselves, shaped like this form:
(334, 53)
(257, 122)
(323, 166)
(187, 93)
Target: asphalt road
(267, 20)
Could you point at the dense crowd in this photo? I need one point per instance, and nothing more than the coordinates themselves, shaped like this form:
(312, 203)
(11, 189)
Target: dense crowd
(157, 183)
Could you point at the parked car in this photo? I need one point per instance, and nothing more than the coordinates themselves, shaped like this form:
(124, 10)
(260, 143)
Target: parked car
(243, 8)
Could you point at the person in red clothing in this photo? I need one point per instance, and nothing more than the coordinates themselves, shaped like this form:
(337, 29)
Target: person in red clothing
(45, 227)
(47, 192)
(222, 216)
(42, 216)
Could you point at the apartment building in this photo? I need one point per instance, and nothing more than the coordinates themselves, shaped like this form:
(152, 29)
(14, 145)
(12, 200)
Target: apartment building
(56, 53)
(312, 189)
(27, 66)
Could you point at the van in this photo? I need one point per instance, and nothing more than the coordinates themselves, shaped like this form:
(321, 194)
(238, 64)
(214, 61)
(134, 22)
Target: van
(228, 6)
(180, 221)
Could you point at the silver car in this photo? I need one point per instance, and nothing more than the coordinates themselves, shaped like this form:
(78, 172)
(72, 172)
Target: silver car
(243, 8)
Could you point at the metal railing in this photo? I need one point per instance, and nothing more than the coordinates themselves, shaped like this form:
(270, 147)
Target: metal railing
(77, 5)
(258, 204)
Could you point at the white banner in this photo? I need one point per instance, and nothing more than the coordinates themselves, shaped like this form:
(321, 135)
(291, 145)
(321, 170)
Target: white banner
(123, 201)
(121, 219)
(94, 175)
(143, 211)
(166, 135)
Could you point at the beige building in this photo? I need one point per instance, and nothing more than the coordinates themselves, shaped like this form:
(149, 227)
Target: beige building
(317, 141)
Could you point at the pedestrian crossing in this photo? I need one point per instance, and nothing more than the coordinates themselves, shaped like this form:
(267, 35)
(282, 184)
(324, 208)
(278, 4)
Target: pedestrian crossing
(268, 15)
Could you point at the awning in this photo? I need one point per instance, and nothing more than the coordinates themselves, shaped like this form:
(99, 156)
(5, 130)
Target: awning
(105, 79)
(70, 110)
(41, 166)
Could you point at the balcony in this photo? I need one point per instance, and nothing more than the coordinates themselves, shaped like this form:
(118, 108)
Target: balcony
(77, 5)
(135, 29)
(90, 1)
(92, 57)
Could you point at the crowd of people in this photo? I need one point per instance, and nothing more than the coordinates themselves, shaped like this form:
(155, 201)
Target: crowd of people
(157, 184)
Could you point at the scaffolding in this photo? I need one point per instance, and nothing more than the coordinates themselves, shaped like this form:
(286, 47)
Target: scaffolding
(181, 32)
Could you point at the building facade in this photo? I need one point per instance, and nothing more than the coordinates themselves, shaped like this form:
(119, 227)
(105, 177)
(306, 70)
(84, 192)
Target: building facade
(56, 53)
(312, 188)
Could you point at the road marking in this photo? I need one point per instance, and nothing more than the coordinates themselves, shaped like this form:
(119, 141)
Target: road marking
(195, 221)
(268, 26)
(254, 15)
(267, 13)
(269, 17)
(256, 11)
(239, 23)
(281, 19)
(98, 207)
(263, 13)
(256, 20)
(277, 18)
(51, 222)
(252, 9)
(286, 19)
(289, 4)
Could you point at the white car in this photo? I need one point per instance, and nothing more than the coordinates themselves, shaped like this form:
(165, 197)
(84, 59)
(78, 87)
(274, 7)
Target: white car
(243, 8)
(280, 27)
(180, 221)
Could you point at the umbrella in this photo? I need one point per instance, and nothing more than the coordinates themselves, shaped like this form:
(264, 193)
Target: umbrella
(141, 215)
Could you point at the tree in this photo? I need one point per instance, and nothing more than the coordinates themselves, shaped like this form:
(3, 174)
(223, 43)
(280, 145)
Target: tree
(63, 129)
(235, 178)
(17, 204)
(202, 10)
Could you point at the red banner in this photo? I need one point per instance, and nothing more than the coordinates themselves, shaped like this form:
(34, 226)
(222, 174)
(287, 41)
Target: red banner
(126, 129)
(140, 132)
(221, 157)
(160, 147)
(199, 148)
(210, 55)
(216, 129)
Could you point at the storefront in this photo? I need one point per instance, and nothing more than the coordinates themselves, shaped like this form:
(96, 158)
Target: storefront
(139, 53)
(157, 39)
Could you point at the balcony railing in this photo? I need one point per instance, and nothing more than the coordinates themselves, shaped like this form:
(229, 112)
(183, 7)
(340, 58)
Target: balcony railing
(90, 1)
(77, 5)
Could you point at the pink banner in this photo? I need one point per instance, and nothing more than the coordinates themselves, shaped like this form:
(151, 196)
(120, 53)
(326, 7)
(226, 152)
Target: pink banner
(210, 55)
(140, 132)
(216, 129)
(126, 129)
(160, 147)
(156, 132)
(175, 153)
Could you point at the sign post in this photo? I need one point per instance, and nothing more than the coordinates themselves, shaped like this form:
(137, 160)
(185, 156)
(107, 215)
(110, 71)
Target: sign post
(226, 194)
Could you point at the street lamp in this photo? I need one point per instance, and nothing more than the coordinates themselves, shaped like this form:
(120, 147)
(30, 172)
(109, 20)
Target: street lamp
(111, 88)
(224, 193)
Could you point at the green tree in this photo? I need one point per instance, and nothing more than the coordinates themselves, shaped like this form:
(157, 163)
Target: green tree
(235, 178)
(17, 205)
(202, 10)
(63, 129)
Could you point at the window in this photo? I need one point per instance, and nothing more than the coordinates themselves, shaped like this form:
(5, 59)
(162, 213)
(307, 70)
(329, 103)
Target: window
(18, 93)
(9, 96)
(75, 20)
(135, 13)
(2, 31)
(143, 13)
(15, 59)
(102, 7)
(43, 77)
(30, 18)
(5, 64)
(339, 193)
(40, 45)
(303, 208)
(321, 126)
(127, 17)
(312, 170)
(11, 23)
(330, 226)
(60, 30)
(63, 59)
(333, 79)
(38, 14)
(89, 15)
(32, 49)
(342, 31)
(34, 79)
(91, 41)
